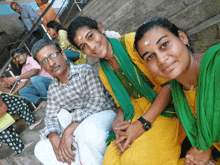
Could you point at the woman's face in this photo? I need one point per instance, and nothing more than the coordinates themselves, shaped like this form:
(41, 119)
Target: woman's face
(52, 32)
(92, 42)
(165, 54)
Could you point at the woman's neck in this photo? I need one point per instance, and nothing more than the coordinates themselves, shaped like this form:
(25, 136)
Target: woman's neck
(110, 58)
(189, 79)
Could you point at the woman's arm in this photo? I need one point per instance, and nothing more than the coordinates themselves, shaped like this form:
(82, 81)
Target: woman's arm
(134, 130)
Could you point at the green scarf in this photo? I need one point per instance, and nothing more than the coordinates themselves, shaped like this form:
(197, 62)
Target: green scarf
(119, 91)
(204, 130)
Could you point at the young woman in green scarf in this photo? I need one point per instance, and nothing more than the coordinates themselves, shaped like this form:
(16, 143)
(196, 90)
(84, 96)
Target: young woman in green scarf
(142, 135)
(194, 82)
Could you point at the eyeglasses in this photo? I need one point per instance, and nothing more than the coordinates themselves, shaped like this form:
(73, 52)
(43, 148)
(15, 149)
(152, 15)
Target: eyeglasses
(52, 56)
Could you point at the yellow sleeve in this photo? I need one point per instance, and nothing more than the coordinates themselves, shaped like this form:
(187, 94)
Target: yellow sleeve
(107, 85)
(63, 41)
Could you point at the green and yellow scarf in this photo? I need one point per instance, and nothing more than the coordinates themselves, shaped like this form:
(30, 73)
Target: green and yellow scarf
(119, 91)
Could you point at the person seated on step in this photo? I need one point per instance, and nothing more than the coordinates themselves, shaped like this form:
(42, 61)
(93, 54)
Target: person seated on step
(79, 113)
(16, 105)
(31, 70)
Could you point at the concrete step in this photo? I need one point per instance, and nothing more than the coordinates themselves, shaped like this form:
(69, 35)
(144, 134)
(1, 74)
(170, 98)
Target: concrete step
(9, 157)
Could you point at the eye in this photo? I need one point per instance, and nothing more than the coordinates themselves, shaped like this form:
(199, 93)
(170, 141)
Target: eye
(82, 47)
(150, 57)
(164, 44)
(53, 55)
(44, 61)
(90, 36)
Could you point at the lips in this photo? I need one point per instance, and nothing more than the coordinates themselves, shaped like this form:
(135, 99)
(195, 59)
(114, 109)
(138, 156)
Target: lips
(169, 67)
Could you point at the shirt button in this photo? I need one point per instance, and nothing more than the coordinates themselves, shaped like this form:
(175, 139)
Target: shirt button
(139, 96)
(130, 84)
(122, 73)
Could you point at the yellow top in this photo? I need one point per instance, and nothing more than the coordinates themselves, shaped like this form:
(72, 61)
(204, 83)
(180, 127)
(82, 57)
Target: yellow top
(162, 143)
(191, 96)
(65, 44)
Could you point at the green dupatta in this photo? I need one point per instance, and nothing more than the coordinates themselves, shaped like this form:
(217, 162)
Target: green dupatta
(119, 91)
(204, 130)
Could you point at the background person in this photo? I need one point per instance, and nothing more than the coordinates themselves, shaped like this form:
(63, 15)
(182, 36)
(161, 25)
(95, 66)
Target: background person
(40, 80)
(29, 18)
(57, 31)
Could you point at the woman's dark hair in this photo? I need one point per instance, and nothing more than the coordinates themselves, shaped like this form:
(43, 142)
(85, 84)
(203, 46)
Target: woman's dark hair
(55, 25)
(152, 23)
(78, 23)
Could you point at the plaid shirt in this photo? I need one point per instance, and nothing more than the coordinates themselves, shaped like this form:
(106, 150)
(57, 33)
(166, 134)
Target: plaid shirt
(82, 95)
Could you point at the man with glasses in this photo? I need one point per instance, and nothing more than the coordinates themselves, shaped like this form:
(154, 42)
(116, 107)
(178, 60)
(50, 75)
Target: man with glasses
(79, 113)
(40, 80)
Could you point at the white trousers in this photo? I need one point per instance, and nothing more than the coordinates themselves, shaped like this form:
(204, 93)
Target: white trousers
(89, 140)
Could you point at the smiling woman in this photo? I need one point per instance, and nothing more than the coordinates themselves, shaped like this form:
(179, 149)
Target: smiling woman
(194, 77)
(149, 138)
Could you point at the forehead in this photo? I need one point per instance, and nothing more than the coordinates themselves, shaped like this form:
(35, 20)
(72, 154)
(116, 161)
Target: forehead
(16, 54)
(83, 30)
(48, 49)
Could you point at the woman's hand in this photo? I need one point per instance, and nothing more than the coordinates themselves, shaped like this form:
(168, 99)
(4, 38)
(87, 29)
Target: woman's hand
(119, 134)
(195, 157)
(133, 131)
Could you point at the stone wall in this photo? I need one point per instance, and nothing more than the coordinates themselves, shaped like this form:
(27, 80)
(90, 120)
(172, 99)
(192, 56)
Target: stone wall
(198, 18)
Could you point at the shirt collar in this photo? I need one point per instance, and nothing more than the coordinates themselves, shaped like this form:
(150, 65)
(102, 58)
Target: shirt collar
(28, 60)
(73, 71)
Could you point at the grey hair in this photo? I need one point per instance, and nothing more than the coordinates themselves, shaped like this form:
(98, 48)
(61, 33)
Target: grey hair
(41, 43)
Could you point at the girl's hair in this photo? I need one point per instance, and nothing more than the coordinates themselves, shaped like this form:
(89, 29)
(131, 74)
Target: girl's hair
(78, 23)
(152, 23)
(55, 25)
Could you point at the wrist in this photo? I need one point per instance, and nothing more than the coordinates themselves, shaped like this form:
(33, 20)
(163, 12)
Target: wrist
(17, 78)
(51, 136)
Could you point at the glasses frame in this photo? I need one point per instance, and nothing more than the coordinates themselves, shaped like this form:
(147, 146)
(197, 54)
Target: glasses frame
(50, 57)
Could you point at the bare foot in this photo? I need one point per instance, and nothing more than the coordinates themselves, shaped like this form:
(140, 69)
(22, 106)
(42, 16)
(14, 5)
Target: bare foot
(27, 145)
(35, 124)
(41, 105)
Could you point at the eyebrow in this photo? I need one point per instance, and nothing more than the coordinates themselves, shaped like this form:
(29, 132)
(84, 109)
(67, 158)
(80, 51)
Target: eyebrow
(85, 37)
(160, 39)
(156, 44)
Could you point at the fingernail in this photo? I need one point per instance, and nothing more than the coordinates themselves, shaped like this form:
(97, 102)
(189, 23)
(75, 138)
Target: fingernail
(117, 153)
(112, 144)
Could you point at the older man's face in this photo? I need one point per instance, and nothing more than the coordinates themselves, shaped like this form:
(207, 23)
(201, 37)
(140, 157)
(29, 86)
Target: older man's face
(53, 61)
(16, 7)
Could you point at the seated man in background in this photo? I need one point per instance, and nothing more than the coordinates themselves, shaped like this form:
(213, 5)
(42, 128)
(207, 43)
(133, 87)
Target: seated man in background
(40, 80)
(79, 112)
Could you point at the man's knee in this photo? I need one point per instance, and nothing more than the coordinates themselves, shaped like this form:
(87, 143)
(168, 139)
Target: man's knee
(34, 79)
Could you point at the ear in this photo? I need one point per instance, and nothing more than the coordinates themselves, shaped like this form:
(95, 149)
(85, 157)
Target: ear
(183, 37)
(101, 28)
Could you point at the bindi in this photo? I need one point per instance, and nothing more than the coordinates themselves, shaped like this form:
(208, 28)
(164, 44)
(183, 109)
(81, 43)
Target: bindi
(146, 42)
(79, 37)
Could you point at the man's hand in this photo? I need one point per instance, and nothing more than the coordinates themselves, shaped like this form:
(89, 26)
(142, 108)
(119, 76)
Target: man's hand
(195, 157)
(66, 148)
(10, 80)
(55, 141)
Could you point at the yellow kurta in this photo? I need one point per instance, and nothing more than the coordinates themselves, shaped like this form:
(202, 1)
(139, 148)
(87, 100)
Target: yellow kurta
(161, 145)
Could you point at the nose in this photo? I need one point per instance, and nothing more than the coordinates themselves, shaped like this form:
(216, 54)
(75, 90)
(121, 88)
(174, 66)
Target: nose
(91, 46)
(162, 58)
(51, 62)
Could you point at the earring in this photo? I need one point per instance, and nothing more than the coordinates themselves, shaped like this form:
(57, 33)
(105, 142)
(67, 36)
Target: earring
(187, 44)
